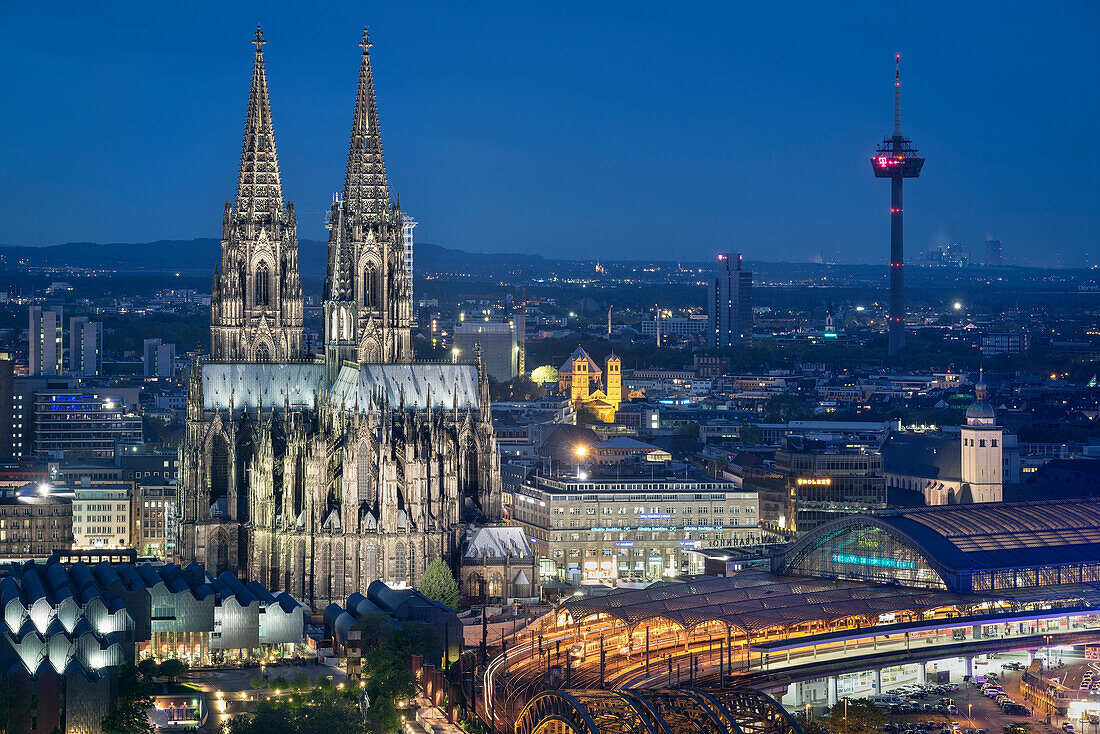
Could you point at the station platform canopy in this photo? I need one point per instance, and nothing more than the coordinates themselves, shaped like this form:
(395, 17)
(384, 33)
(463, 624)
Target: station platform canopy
(755, 600)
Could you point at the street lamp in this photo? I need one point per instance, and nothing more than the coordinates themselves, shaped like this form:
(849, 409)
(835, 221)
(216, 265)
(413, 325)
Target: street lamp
(580, 452)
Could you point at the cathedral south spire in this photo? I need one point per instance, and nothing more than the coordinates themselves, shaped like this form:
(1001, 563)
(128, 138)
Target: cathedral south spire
(366, 190)
(368, 302)
(256, 306)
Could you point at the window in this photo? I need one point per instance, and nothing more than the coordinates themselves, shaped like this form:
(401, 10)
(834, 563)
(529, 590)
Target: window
(262, 285)
(370, 287)
(993, 442)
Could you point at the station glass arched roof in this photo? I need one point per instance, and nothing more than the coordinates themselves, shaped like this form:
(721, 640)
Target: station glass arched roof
(755, 600)
(974, 540)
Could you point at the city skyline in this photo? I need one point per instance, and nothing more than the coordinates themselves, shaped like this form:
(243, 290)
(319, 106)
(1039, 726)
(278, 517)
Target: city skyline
(500, 150)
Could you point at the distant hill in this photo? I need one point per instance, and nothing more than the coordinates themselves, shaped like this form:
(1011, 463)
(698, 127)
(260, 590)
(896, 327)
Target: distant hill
(200, 255)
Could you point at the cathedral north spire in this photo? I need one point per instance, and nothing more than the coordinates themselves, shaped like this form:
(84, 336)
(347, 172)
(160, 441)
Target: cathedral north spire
(259, 188)
(366, 191)
(256, 303)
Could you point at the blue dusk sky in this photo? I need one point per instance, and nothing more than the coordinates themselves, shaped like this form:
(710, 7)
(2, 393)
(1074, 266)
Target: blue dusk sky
(575, 129)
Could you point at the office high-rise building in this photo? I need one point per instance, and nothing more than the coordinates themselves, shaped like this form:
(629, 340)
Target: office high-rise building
(501, 346)
(45, 337)
(158, 358)
(7, 406)
(993, 256)
(729, 303)
(85, 346)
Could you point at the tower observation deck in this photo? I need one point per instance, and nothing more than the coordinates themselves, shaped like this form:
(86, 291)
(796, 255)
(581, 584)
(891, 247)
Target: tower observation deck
(896, 159)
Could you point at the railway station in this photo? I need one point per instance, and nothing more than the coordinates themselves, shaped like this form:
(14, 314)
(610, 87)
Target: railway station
(857, 606)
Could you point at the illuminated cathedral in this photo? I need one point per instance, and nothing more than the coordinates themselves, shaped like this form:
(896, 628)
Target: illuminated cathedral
(318, 475)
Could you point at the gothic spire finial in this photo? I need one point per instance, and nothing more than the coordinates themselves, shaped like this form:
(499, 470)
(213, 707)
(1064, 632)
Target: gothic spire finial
(259, 189)
(366, 191)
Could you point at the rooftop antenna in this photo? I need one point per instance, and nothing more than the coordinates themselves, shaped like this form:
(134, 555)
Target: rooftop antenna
(897, 95)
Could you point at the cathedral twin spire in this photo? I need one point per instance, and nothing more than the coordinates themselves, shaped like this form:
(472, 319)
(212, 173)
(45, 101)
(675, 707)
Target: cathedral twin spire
(366, 191)
(259, 188)
(256, 305)
(256, 308)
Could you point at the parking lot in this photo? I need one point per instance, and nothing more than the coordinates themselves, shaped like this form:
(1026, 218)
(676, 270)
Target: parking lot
(990, 706)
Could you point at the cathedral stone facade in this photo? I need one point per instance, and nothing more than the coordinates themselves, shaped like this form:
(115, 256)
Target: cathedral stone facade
(317, 475)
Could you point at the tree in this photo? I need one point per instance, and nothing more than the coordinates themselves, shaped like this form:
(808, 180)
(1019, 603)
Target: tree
(856, 716)
(438, 584)
(544, 374)
(257, 682)
(520, 387)
(751, 433)
(322, 711)
(15, 710)
(135, 698)
(786, 407)
(278, 683)
(300, 682)
(172, 668)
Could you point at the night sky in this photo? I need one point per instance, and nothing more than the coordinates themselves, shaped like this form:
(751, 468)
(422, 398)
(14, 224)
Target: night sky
(588, 129)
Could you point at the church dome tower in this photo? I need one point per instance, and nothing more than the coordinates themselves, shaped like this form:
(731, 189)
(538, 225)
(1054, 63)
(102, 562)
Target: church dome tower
(982, 439)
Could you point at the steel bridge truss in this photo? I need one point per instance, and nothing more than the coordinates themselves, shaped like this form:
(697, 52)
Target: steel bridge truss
(669, 711)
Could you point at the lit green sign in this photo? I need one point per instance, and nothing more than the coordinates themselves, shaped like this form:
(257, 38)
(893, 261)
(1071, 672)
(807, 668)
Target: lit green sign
(871, 561)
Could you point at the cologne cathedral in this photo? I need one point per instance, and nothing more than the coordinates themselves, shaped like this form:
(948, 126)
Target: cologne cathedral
(319, 474)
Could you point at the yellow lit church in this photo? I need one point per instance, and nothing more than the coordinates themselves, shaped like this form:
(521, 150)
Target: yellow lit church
(583, 381)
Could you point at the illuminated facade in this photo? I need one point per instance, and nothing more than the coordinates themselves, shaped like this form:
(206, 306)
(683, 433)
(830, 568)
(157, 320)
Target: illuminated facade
(629, 525)
(101, 516)
(33, 523)
(312, 475)
(69, 626)
(976, 548)
(813, 482)
(587, 386)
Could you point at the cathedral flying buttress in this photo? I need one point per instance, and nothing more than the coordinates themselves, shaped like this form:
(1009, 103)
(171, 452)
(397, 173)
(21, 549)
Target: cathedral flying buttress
(319, 475)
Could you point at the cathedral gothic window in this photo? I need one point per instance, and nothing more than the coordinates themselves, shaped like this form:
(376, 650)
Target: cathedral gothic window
(219, 470)
(263, 285)
(370, 287)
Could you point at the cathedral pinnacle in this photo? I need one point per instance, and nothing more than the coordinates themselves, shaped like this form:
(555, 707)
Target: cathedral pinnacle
(366, 191)
(259, 189)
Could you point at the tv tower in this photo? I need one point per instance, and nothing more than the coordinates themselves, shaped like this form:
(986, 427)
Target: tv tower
(896, 159)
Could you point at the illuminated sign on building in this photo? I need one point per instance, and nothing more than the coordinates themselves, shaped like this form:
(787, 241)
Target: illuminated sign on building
(815, 481)
(873, 561)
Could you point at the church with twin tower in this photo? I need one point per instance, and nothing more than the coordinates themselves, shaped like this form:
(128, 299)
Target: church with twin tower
(317, 474)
